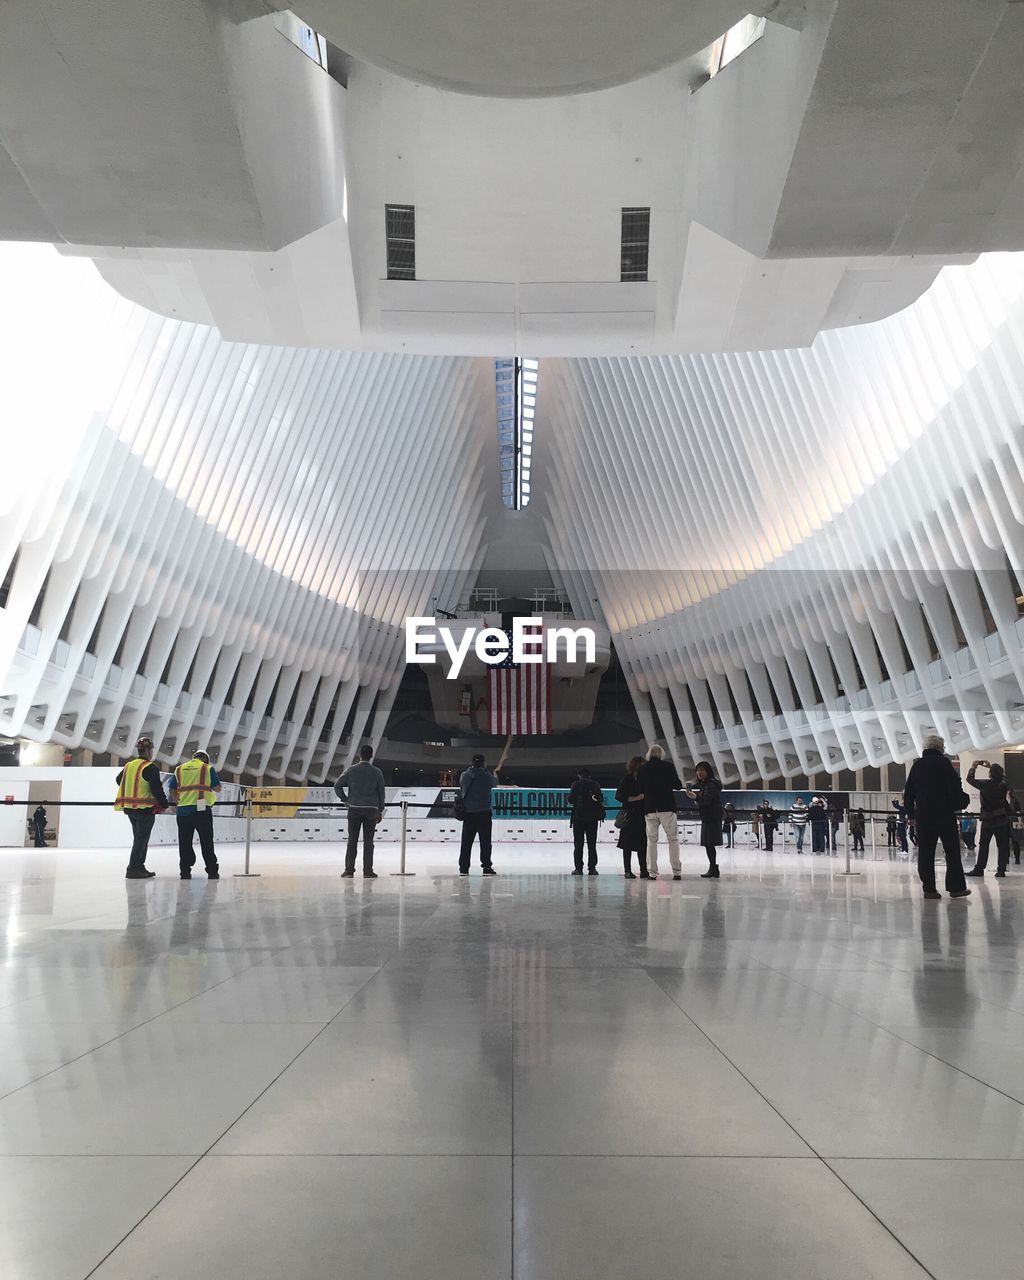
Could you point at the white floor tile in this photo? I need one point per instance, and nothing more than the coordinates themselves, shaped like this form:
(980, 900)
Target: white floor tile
(960, 1218)
(375, 1218)
(277, 994)
(625, 1089)
(61, 1215)
(851, 1089)
(163, 1089)
(387, 1089)
(28, 1052)
(719, 1219)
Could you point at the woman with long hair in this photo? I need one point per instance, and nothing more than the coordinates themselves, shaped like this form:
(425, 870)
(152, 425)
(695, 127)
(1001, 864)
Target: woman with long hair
(633, 826)
(707, 791)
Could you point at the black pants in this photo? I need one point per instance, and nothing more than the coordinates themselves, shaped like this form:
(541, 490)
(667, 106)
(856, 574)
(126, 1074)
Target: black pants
(1002, 838)
(858, 842)
(769, 839)
(928, 835)
(197, 823)
(361, 822)
(39, 831)
(142, 827)
(584, 831)
(473, 825)
(817, 837)
(641, 857)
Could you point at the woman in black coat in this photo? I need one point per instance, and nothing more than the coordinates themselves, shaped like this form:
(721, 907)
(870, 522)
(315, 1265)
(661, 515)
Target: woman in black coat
(633, 832)
(708, 794)
(995, 817)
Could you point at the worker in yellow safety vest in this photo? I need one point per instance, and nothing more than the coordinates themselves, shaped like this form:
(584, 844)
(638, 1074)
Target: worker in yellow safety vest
(140, 794)
(194, 790)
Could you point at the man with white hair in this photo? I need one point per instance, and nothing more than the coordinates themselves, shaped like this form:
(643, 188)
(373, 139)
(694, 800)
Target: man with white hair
(933, 797)
(659, 782)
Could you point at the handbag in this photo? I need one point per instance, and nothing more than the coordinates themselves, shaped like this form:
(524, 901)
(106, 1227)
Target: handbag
(459, 808)
(621, 818)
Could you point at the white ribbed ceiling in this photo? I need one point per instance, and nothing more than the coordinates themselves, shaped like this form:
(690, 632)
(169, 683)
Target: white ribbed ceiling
(216, 542)
(803, 556)
(838, 524)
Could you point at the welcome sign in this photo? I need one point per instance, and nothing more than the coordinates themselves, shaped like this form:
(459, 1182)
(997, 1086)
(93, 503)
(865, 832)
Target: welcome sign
(541, 802)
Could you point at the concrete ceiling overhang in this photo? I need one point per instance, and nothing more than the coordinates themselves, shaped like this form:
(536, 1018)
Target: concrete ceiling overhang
(227, 165)
(523, 48)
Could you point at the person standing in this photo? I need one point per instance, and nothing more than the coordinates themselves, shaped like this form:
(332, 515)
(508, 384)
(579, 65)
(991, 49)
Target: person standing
(659, 783)
(968, 828)
(361, 787)
(476, 786)
(632, 828)
(707, 791)
(729, 825)
(901, 827)
(769, 822)
(890, 831)
(1016, 822)
(858, 827)
(39, 827)
(193, 790)
(140, 794)
(834, 819)
(587, 804)
(755, 826)
(798, 819)
(933, 797)
(819, 825)
(995, 817)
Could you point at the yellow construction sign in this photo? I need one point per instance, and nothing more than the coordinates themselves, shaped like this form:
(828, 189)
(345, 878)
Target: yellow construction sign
(277, 802)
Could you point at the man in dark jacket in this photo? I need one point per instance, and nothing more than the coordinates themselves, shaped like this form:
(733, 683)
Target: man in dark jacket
(769, 823)
(659, 782)
(932, 798)
(39, 827)
(587, 803)
(476, 785)
(818, 815)
(995, 817)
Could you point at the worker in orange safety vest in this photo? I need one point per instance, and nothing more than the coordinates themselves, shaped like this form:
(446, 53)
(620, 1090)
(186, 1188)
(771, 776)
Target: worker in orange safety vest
(140, 794)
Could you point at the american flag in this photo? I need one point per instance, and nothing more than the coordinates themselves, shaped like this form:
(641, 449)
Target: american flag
(519, 697)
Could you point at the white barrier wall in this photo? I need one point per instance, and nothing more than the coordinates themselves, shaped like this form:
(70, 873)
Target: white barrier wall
(99, 826)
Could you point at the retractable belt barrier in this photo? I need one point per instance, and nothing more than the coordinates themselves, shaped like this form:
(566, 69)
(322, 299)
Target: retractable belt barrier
(782, 815)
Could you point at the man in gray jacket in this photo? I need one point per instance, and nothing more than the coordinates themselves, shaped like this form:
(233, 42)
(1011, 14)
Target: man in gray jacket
(365, 785)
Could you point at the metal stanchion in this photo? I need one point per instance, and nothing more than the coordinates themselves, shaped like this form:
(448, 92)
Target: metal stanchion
(846, 833)
(401, 865)
(874, 847)
(247, 874)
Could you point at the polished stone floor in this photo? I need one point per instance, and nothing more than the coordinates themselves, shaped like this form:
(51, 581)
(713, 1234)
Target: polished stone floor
(778, 1075)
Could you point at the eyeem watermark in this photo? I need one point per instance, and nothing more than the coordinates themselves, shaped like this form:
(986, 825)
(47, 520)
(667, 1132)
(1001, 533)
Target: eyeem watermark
(529, 642)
